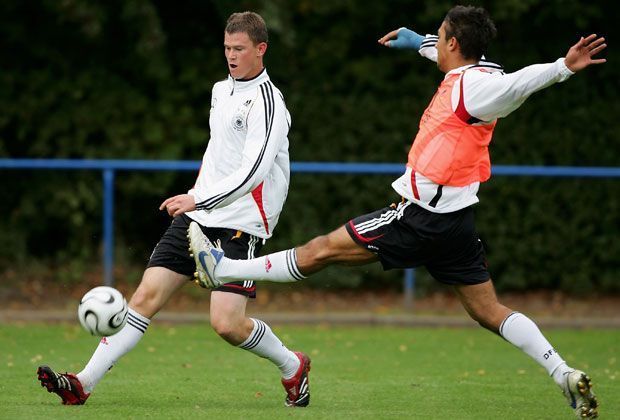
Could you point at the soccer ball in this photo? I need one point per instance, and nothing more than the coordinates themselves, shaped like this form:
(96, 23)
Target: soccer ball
(103, 311)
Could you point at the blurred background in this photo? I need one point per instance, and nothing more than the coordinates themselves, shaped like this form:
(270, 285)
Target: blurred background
(131, 79)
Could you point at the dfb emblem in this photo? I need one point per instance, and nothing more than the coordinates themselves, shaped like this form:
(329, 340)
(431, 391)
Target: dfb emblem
(238, 124)
(241, 115)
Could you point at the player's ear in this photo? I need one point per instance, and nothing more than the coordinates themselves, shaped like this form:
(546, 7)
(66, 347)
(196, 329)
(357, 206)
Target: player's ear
(453, 44)
(261, 49)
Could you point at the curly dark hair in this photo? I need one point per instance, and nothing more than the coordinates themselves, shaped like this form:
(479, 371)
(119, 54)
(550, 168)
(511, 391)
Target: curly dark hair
(473, 29)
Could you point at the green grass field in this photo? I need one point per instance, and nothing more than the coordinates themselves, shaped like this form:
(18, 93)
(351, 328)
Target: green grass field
(186, 371)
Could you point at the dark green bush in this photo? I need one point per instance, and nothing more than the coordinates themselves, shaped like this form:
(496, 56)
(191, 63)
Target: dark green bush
(131, 79)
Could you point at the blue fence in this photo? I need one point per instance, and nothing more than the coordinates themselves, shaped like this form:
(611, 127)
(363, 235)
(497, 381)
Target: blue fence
(110, 167)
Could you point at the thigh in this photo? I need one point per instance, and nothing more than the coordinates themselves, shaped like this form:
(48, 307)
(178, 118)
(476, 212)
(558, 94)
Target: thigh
(228, 306)
(344, 250)
(336, 247)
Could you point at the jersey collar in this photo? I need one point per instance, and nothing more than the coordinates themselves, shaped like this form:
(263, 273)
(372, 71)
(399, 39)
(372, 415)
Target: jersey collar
(488, 66)
(246, 84)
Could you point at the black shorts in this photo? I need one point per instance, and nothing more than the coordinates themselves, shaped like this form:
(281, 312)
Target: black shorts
(407, 236)
(172, 252)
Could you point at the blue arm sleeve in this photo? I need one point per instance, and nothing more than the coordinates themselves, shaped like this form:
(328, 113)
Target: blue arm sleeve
(407, 38)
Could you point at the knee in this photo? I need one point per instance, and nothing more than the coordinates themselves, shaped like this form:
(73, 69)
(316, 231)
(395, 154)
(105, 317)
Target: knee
(489, 317)
(227, 328)
(476, 313)
(319, 250)
(144, 300)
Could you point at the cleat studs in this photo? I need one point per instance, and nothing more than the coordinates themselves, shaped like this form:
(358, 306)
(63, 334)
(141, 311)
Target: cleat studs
(191, 255)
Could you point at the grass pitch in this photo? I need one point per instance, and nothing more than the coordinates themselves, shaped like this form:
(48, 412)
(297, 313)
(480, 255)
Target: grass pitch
(186, 371)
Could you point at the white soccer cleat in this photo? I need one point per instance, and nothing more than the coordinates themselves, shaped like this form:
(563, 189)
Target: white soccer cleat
(577, 389)
(206, 256)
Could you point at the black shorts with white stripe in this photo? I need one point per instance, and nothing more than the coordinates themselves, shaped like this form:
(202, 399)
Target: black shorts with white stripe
(172, 251)
(407, 236)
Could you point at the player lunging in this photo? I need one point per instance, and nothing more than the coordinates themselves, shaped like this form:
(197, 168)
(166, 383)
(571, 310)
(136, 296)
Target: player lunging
(434, 224)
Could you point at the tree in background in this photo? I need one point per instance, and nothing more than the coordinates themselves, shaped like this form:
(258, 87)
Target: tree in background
(131, 79)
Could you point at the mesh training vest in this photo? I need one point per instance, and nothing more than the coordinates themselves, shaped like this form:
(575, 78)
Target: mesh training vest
(448, 149)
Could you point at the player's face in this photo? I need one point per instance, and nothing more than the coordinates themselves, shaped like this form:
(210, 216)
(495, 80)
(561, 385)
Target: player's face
(245, 60)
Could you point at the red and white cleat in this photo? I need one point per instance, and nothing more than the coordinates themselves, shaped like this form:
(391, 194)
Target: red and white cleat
(298, 388)
(66, 385)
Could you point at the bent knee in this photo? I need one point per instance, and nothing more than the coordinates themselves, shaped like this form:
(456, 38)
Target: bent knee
(319, 250)
(145, 301)
(489, 317)
(226, 328)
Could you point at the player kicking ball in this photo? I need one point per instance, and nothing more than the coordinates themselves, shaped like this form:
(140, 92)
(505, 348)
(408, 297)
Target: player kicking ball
(237, 200)
(433, 225)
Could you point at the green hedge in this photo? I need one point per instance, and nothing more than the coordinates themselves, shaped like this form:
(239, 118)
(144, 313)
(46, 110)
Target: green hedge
(132, 78)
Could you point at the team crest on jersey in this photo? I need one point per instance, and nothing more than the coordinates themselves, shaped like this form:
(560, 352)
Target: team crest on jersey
(240, 117)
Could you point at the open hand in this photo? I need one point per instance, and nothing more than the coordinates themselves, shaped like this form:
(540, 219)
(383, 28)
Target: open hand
(580, 55)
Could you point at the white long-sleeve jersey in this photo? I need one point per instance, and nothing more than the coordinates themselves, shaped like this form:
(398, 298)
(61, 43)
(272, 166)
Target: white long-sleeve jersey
(487, 95)
(245, 172)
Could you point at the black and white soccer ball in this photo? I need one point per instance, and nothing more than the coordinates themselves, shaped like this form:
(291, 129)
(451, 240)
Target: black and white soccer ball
(103, 311)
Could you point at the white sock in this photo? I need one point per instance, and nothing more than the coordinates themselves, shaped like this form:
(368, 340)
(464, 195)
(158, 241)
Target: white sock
(264, 343)
(523, 333)
(112, 348)
(559, 374)
(279, 267)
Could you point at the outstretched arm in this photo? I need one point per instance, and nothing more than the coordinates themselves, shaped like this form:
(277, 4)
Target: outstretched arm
(579, 56)
(488, 97)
